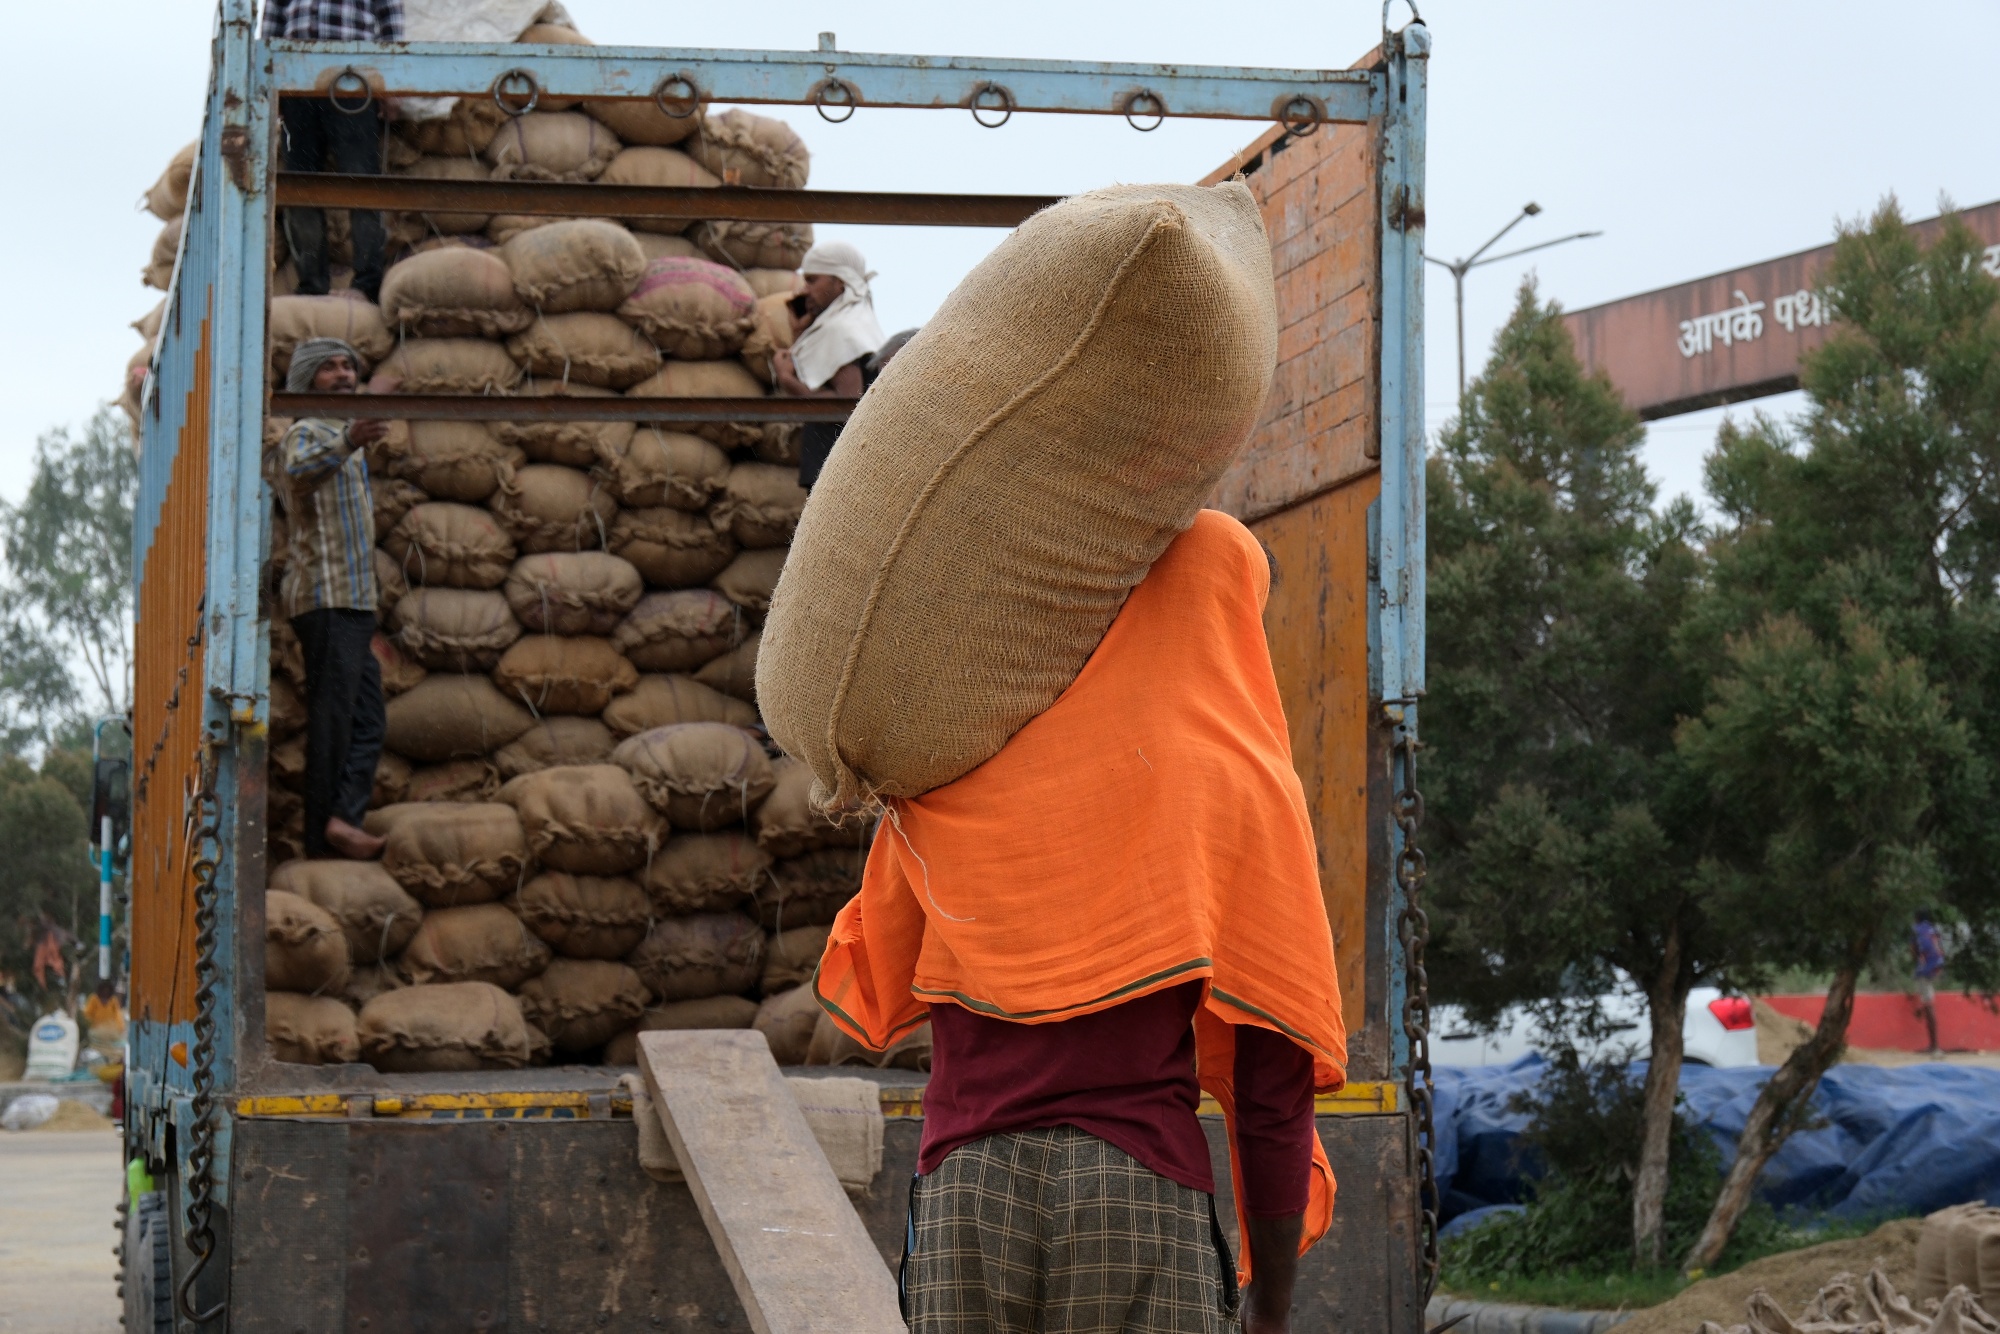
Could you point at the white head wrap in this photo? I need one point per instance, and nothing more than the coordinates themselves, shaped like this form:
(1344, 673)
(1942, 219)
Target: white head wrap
(314, 353)
(846, 330)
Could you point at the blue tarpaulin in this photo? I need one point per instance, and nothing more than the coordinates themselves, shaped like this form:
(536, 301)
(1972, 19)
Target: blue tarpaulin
(1882, 1140)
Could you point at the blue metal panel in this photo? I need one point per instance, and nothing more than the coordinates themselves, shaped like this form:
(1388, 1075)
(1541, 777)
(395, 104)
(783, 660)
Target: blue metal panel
(798, 77)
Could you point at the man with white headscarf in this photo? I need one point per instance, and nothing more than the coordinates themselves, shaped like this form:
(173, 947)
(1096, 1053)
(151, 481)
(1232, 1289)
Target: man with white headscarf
(319, 471)
(834, 333)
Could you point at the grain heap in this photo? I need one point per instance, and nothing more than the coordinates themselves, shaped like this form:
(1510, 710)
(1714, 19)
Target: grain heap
(588, 831)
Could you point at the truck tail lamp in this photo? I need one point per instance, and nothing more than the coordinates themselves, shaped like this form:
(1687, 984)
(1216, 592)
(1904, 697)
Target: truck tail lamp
(1733, 1012)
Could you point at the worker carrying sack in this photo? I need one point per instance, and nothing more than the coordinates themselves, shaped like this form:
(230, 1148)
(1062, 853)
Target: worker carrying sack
(1023, 461)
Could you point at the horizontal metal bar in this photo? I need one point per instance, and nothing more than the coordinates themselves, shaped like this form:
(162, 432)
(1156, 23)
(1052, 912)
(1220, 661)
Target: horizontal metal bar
(501, 407)
(805, 78)
(423, 193)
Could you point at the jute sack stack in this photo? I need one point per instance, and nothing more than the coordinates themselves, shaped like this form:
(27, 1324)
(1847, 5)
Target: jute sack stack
(787, 1020)
(288, 711)
(672, 548)
(452, 292)
(448, 853)
(770, 331)
(589, 819)
(392, 781)
(574, 444)
(463, 132)
(390, 585)
(585, 916)
(310, 1030)
(350, 317)
(791, 956)
(448, 545)
(582, 264)
(585, 347)
(655, 245)
(579, 674)
(662, 700)
(547, 507)
(416, 226)
(444, 1027)
(159, 270)
(376, 914)
(584, 1003)
(701, 776)
(830, 1046)
(761, 504)
(749, 580)
(652, 164)
(707, 954)
(755, 245)
(455, 629)
(735, 672)
(480, 942)
(553, 741)
(705, 872)
(573, 592)
(644, 121)
(454, 780)
(1934, 1251)
(656, 466)
(447, 366)
(708, 379)
(808, 890)
(674, 1016)
(786, 825)
(551, 146)
(449, 460)
(166, 199)
(304, 948)
(679, 631)
(757, 150)
(1024, 460)
(691, 308)
(393, 498)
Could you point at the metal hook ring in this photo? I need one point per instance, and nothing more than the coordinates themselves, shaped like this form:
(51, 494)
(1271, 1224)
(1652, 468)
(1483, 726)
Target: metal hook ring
(504, 88)
(687, 103)
(1006, 107)
(848, 98)
(334, 89)
(1301, 116)
(1145, 102)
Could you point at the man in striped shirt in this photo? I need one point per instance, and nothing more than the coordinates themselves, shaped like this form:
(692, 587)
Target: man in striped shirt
(321, 477)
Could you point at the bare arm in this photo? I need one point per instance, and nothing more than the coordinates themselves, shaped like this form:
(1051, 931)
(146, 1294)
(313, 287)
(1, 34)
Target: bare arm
(846, 382)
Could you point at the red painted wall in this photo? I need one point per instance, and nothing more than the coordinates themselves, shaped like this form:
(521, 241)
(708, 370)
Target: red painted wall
(1890, 1020)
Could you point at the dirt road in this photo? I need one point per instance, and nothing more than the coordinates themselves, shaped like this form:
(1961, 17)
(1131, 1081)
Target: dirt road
(58, 1200)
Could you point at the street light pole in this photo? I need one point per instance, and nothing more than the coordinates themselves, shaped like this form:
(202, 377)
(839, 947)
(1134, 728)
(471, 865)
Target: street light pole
(1458, 268)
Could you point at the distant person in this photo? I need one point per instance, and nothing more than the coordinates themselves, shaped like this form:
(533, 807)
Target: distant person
(321, 477)
(104, 1018)
(1928, 950)
(324, 132)
(834, 333)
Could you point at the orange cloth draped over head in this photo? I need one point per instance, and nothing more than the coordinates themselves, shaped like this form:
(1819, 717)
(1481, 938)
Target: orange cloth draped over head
(1145, 831)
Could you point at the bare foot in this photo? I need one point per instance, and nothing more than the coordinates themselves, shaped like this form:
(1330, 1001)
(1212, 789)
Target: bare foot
(355, 844)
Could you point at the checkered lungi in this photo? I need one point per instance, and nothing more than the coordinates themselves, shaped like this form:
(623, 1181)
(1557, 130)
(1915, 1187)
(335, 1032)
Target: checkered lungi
(1057, 1232)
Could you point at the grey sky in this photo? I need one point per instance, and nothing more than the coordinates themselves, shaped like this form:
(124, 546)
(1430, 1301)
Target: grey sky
(1699, 136)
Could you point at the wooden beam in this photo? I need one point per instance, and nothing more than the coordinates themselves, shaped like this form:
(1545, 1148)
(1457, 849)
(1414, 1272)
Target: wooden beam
(794, 1248)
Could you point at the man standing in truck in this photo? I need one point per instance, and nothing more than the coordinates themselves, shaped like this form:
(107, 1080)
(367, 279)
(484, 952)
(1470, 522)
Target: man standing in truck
(834, 335)
(320, 475)
(340, 133)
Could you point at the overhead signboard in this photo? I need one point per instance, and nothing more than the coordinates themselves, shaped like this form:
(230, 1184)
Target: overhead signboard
(1731, 336)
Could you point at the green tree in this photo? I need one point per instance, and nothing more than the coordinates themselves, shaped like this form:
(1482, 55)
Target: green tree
(1564, 823)
(1846, 747)
(45, 849)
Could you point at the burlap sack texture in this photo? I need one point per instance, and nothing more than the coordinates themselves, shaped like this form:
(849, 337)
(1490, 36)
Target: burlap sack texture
(672, 548)
(657, 466)
(454, 629)
(707, 954)
(577, 675)
(447, 366)
(452, 292)
(705, 872)
(701, 776)
(551, 146)
(757, 150)
(479, 942)
(1023, 461)
(310, 1030)
(808, 890)
(573, 592)
(573, 444)
(754, 245)
(707, 379)
(580, 264)
(585, 916)
(679, 631)
(555, 740)
(448, 545)
(415, 227)
(786, 825)
(444, 1027)
(585, 347)
(787, 1020)
(454, 780)
(449, 853)
(583, 1003)
(663, 699)
(693, 309)
(589, 819)
(657, 165)
(376, 914)
(350, 317)
(761, 504)
(166, 198)
(791, 956)
(305, 949)
(547, 507)
(709, 1012)
(735, 672)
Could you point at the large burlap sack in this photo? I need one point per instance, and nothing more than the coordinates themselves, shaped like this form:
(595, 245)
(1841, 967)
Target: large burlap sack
(704, 872)
(787, 1020)
(1973, 1235)
(452, 292)
(654, 245)
(480, 942)
(707, 954)
(551, 146)
(584, 1003)
(770, 331)
(578, 674)
(759, 150)
(556, 740)
(790, 957)
(149, 324)
(453, 717)
(166, 198)
(808, 890)
(585, 916)
(643, 121)
(573, 592)
(463, 132)
(309, 1030)
(735, 672)
(393, 498)
(662, 699)
(754, 245)
(652, 165)
(414, 227)
(693, 309)
(348, 316)
(454, 780)
(774, 282)
(672, 548)
(304, 948)
(547, 507)
(830, 1046)
(369, 980)
(449, 460)
(554, 34)
(1934, 1252)
(288, 711)
(376, 914)
(580, 264)
(749, 579)
(573, 444)
(444, 1027)
(452, 853)
(446, 366)
(390, 585)
(1023, 462)
(761, 504)
(701, 776)
(707, 379)
(450, 546)
(656, 466)
(787, 825)
(588, 819)
(585, 347)
(392, 780)
(674, 1016)
(400, 672)
(159, 270)
(455, 629)
(680, 630)
(783, 444)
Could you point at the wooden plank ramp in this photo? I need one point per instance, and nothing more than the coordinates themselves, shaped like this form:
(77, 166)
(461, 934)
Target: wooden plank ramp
(800, 1259)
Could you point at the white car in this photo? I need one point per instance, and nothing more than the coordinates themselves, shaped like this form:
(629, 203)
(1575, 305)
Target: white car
(1720, 1031)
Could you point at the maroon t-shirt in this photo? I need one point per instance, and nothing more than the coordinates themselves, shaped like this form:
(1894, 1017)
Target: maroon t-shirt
(1125, 1075)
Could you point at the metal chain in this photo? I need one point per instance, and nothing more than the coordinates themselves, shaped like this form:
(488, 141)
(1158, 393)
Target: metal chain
(205, 842)
(1413, 927)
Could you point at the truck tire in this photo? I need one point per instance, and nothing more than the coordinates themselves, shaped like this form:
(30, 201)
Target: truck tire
(146, 1265)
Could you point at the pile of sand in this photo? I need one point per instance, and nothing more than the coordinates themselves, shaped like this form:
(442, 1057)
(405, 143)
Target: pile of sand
(74, 1115)
(1793, 1279)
